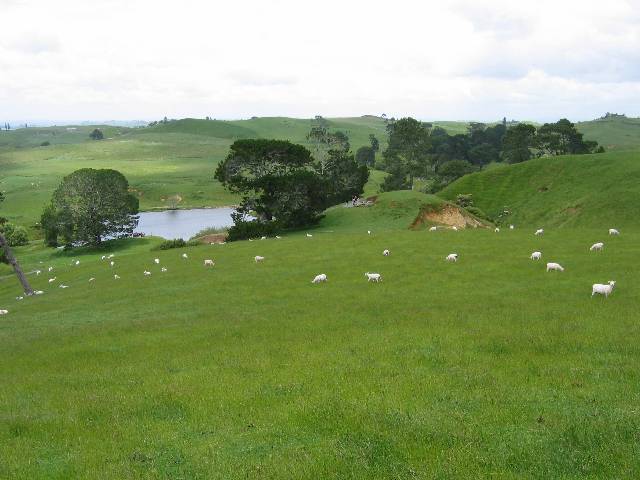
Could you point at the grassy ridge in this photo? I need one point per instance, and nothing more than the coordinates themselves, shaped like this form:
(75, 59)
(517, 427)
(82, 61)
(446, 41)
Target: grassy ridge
(613, 133)
(487, 367)
(584, 190)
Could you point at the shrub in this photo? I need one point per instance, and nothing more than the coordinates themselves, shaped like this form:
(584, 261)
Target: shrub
(15, 235)
(478, 213)
(243, 230)
(464, 200)
(175, 243)
(45, 144)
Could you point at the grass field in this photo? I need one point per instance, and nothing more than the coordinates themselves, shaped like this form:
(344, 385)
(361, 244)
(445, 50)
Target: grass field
(487, 368)
(571, 191)
(613, 133)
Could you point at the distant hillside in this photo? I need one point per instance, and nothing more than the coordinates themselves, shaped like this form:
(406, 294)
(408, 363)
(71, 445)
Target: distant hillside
(582, 190)
(615, 133)
(61, 135)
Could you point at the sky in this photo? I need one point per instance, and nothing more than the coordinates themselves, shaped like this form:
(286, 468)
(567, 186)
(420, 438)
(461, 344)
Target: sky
(71, 60)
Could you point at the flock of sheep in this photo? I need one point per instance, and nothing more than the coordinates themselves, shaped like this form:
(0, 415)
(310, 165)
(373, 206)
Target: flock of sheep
(597, 288)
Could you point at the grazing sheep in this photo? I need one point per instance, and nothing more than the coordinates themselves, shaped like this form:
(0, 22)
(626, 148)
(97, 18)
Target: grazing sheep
(601, 289)
(497, 230)
(112, 263)
(263, 238)
(386, 253)
(373, 277)
(50, 269)
(613, 231)
(258, 258)
(110, 256)
(319, 278)
(433, 229)
(184, 255)
(554, 266)
(19, 298)
(596, 247)
(539, 232)
(511, 227)
(157, 261)
(164, 269)
(536, 256)
(116, 276)
(63, 286)
(368, 232)
(51, 280)
(4, 312)
(91, 279)
(452, 257)
(38, 272)
(77, 262)
(103, 257)
(209, 263)
(146, 273)
(38, 292)
(309, 235)
(278, 237)
(251, 239)
(454, 228)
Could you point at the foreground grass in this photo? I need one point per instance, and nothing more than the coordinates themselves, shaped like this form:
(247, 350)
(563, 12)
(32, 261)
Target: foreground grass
(485, 368)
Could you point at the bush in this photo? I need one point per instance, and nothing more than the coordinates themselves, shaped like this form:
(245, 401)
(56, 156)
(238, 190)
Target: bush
(464, 200)
(45, 144)
(175, 243)
(478, 213)
(244, 230)
(15, 235)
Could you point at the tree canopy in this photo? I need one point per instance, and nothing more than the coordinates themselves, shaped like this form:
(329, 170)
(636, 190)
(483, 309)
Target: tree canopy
(90, 205)
(96, 134)
(407, 153)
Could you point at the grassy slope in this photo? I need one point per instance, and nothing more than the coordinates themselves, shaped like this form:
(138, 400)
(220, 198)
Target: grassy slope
(614, 133)
(487, 367)
(584, 190)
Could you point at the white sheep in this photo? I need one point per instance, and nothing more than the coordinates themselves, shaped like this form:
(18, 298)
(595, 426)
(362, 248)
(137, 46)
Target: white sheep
(4, 312)
(601, 289)
(319, 278)
(539, 232)
(454, 228)
(50, 269)
(386, 253)
(208, 263)
(309, 235)
(116, 277)
(91, 279)
(258, 258)
(112, 263)
(497, 230)
(38, 272)
(184, 255)
(278, 237)
(368, 232)
(146, 273)
(511, 227)
(77, 262)
(19, 298)
(613, 231)
(156, 261)
(51, 280)
(263, 238)
(110, 256)
(38, 292)
(433, 229)
(164, 269)
(536, 256)
(554, 266)
(373, 277)
(452, 257)
(596, 247)
(103, 257)
(63, 286)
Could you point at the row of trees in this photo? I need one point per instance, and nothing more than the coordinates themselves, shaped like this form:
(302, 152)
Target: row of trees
(416, 149)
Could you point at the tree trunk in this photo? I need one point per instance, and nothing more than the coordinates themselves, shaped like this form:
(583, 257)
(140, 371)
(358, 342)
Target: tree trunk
(16, 266)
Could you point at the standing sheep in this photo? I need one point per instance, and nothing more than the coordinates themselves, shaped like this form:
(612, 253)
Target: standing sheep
(373, 277)
(613, 231)
(600, 289)
(452, 257)
(536, 256)
(539, 232)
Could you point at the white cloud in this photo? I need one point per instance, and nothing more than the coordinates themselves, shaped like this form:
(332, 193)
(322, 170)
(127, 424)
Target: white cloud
(459, 59)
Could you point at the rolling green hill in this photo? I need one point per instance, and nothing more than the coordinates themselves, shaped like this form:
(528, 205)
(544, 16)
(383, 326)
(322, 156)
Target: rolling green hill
(616, 133)
(577, 191)
(488, 367)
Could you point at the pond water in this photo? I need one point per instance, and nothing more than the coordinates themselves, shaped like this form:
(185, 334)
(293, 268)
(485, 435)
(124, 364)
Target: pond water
(183, 223)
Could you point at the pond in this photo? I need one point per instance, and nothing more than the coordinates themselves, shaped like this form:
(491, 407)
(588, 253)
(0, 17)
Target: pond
(183, 223)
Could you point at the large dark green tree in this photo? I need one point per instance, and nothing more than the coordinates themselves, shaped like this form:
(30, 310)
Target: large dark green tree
(563, 138)
(366, 156)
(277, 180)
(90, 205)
(408, 152)
(7, 256)
(344, 177)
(518, 143)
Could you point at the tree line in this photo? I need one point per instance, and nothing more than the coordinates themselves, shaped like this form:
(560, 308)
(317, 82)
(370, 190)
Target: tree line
(419, 150)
